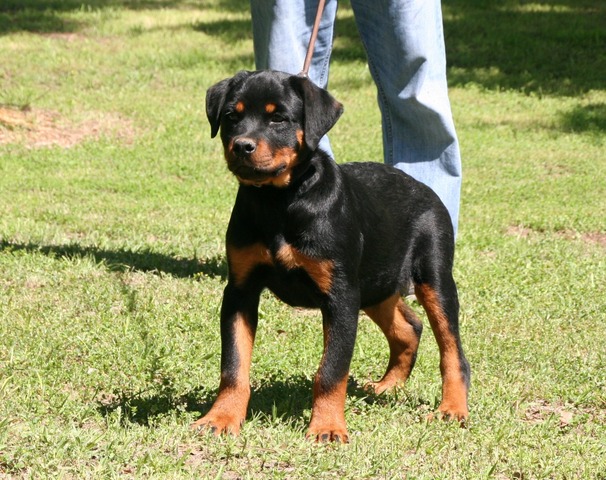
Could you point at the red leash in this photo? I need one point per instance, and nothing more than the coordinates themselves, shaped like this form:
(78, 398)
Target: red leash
(312, 40)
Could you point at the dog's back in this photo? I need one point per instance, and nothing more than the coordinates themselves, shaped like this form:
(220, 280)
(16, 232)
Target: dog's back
(401, 221)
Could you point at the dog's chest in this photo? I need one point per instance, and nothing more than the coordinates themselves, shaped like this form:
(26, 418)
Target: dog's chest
(293, 275)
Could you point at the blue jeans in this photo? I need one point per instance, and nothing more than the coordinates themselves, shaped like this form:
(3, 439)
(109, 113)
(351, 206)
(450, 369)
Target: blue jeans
(404, 42)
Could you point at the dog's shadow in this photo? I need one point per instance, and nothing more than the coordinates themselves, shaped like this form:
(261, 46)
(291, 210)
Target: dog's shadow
(285, 399)
(143, 260)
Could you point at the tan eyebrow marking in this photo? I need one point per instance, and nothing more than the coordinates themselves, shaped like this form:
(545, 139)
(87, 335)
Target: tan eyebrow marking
(239, 107)
(270, 107)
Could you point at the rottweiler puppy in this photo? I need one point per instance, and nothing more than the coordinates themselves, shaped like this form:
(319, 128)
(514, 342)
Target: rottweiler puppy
(341, 238)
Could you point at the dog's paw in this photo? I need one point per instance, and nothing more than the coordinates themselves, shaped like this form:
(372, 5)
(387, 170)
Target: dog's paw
(218, 424)
(453, 413)
(382, 386)
(328, 432)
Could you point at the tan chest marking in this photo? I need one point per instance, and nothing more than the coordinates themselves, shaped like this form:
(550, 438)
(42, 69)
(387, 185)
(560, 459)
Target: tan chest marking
(242, 261)
(320, 271)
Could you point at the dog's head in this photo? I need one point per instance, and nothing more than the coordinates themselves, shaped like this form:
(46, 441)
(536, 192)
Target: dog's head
(270, 122)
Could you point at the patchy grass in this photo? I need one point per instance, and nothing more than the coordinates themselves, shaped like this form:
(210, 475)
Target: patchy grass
(114, 204)
(42, 128)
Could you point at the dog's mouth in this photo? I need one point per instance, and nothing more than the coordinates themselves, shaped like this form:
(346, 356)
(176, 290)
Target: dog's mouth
(253, 175)
(262, 165)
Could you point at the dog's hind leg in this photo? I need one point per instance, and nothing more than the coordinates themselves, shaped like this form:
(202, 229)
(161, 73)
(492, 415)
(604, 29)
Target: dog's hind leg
(403, 330)
(440, 301)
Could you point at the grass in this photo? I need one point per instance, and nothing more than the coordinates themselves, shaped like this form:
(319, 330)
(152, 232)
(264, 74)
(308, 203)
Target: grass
(114, 202)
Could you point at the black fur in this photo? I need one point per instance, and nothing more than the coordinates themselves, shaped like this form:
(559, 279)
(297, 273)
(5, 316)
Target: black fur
(360, 232)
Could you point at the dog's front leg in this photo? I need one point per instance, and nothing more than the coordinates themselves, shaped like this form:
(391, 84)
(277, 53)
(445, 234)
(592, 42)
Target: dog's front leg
(238, 327)
(340, 322)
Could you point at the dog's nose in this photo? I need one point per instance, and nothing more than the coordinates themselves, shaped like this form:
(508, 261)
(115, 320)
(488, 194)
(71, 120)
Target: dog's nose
(244, 146)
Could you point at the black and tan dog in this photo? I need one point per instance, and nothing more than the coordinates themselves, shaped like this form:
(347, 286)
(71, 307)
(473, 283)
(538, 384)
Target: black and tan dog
(335, 237)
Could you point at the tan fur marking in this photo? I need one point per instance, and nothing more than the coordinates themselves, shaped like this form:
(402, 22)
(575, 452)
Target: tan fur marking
(328, 413)
(270, 107)
(288, 157)
(454, 390)
(266, 159)
(320, 271)
(395, 319)
(263, 156)
(244, 338)
(242, 261)
(239, 107)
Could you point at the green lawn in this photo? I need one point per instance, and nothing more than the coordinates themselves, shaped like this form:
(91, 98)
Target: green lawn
(113, 205)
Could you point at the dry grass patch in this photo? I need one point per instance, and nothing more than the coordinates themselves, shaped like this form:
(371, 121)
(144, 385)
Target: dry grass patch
(524, 232)
(39, 128)
(541, 410)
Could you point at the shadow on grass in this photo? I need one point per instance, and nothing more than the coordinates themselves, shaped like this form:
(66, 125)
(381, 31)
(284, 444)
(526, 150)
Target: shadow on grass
(555, 47)
(76, 5)
(286, 399)
(48, 16)
(124, 259)
(586, 118)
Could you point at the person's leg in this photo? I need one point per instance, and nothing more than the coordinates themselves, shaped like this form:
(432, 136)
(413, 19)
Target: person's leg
(405, 45)
(281, 32)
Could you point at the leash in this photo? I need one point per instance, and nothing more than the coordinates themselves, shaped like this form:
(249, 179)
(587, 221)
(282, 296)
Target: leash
(312, 40)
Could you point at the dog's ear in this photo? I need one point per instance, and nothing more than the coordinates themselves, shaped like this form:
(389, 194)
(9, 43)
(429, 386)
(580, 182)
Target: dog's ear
(215, 99)
(321, 110)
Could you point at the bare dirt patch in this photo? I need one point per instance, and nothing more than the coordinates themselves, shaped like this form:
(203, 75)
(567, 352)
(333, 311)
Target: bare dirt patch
(519, 231)
(567, 415)
(597, 238)
(38, 128)
(593, 238)
(541, 410)
(66, 36)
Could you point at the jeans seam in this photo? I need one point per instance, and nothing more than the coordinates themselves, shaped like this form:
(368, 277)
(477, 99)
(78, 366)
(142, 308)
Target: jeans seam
(325, 64)
(324, 68)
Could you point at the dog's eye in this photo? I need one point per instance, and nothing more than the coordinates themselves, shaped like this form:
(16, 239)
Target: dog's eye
(232, 116)
(277, 118)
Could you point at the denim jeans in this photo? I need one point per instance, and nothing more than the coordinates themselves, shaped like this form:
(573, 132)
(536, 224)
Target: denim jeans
(404, 42)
